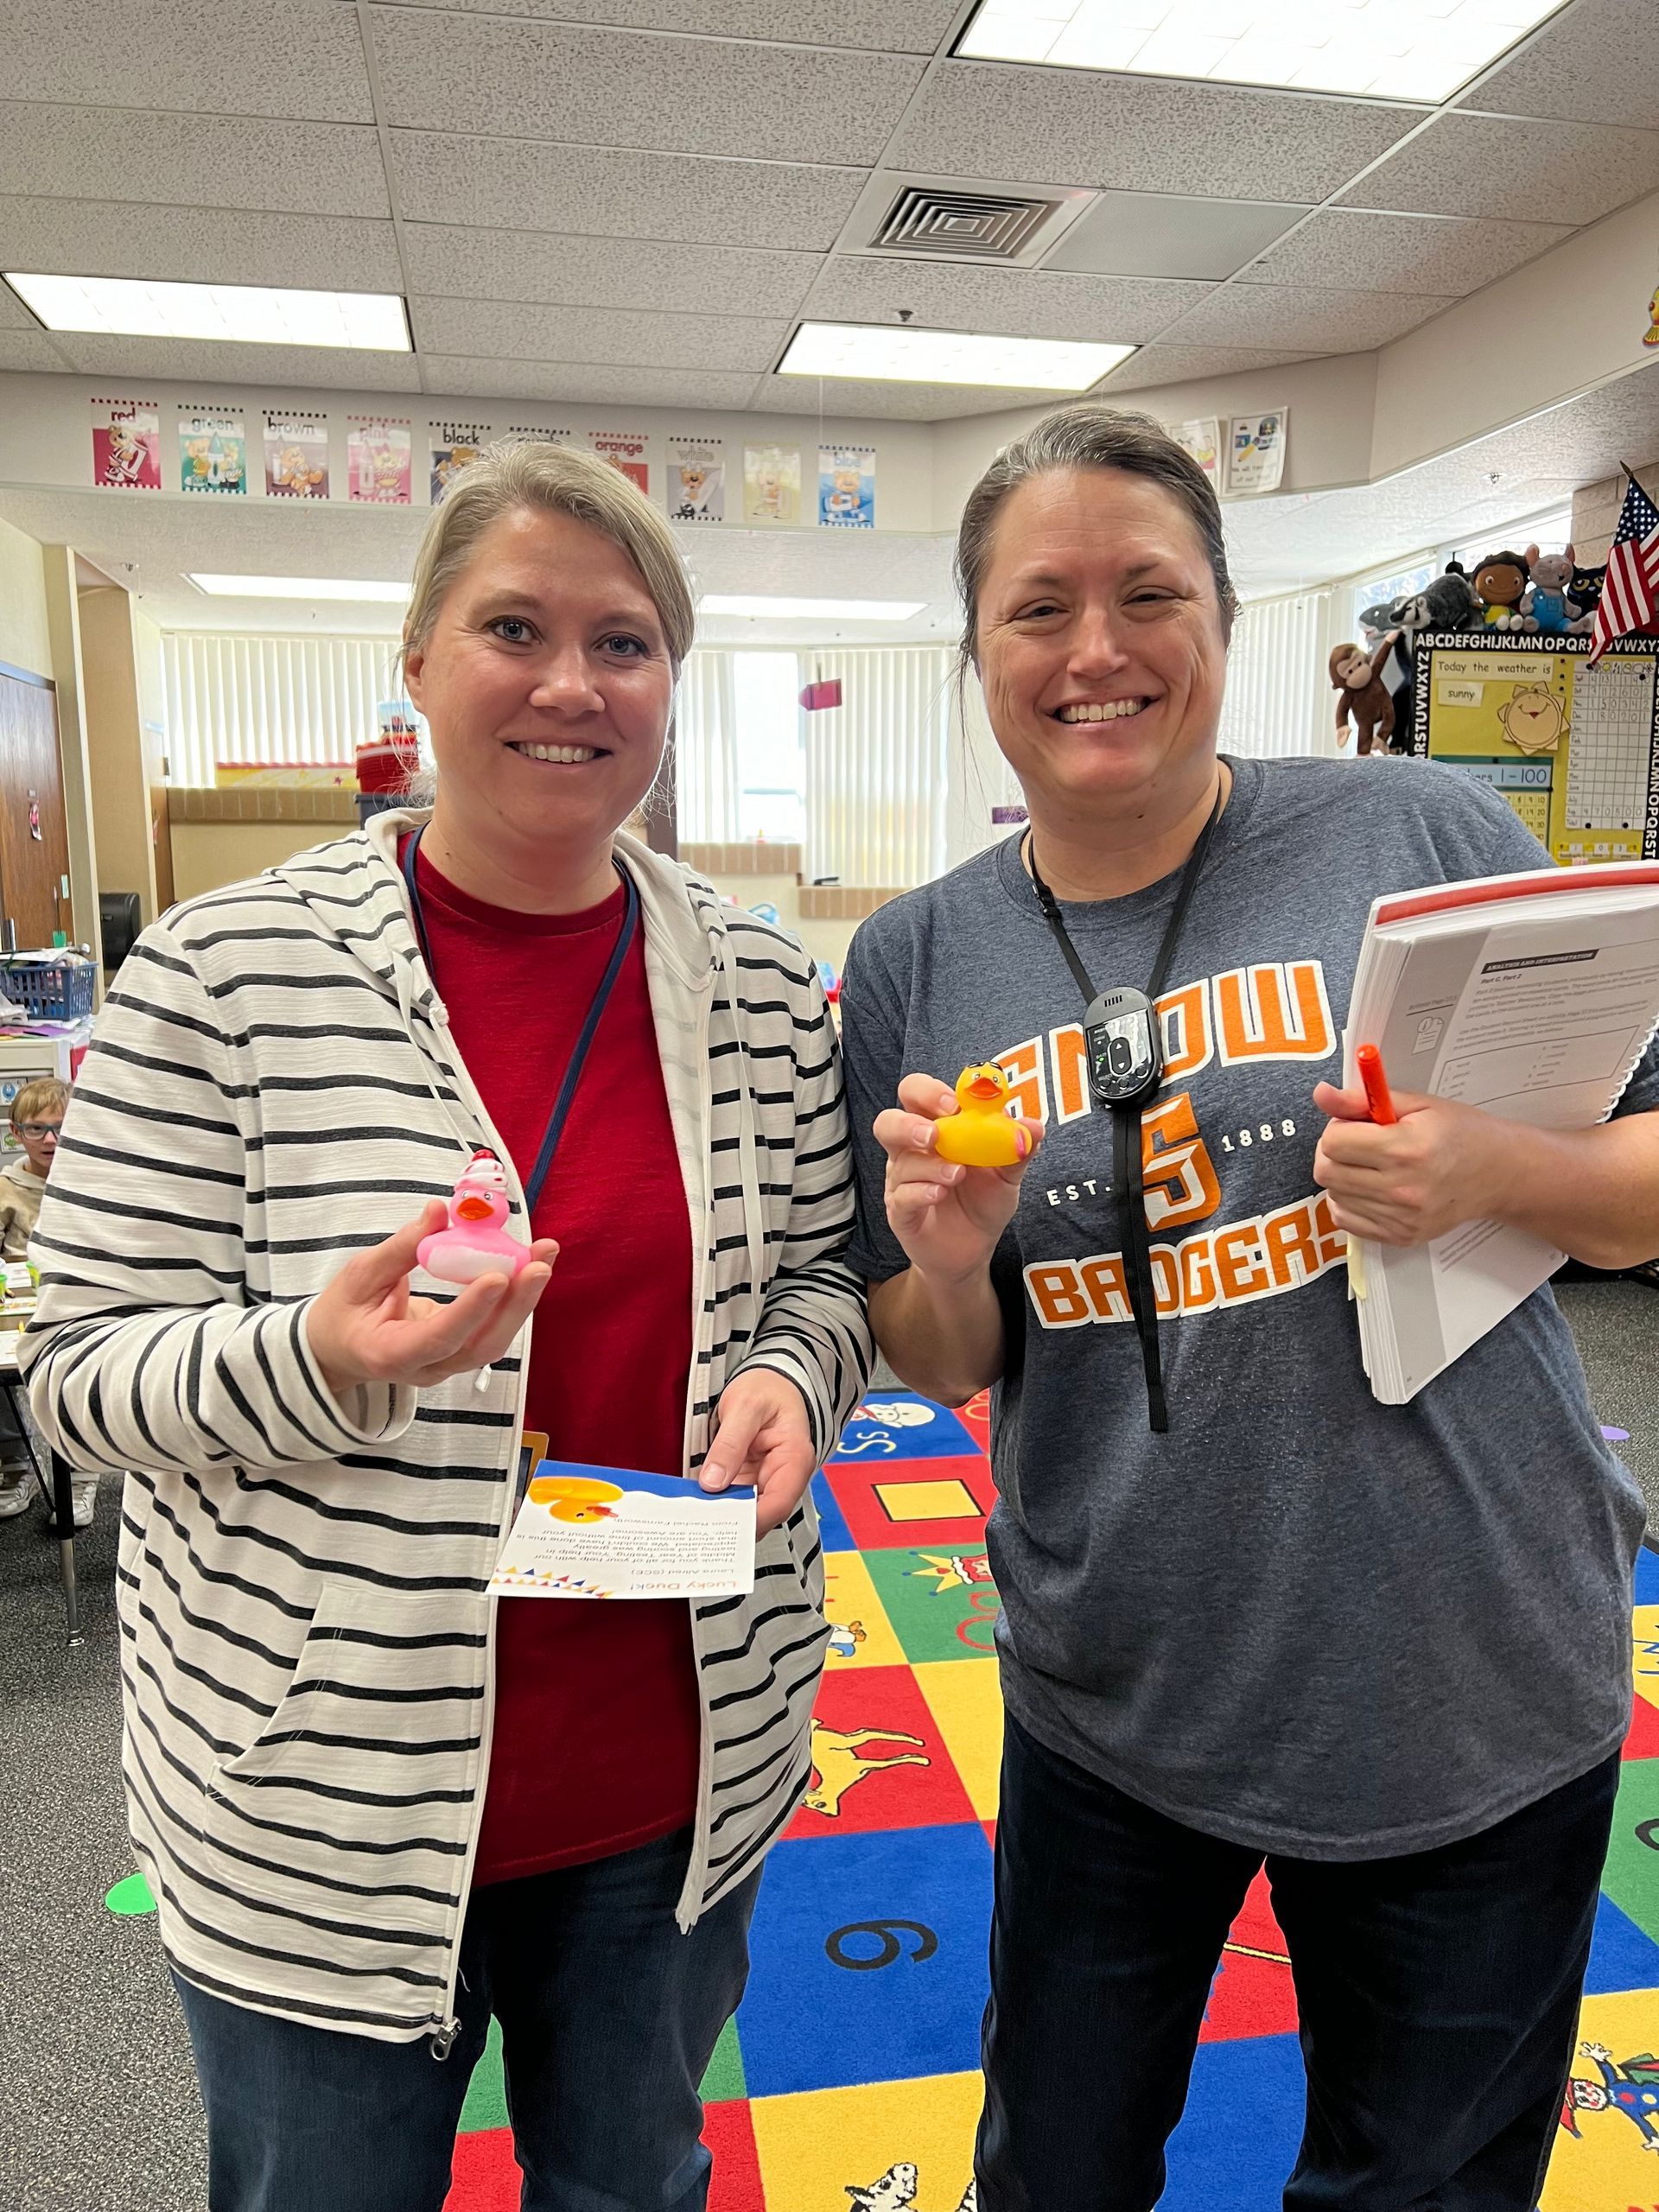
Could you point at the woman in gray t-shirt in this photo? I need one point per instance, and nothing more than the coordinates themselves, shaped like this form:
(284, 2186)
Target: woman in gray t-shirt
(1250, 1613)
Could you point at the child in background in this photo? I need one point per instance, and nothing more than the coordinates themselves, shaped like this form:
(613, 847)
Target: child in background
(36, 1117)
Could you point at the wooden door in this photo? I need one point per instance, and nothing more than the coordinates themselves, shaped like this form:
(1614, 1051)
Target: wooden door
(34, 837)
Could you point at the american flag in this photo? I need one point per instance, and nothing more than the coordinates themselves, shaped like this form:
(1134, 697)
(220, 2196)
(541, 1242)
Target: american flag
(1631, 591)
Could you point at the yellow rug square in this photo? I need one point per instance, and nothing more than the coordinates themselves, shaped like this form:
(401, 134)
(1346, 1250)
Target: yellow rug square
(817, 2147)
(934, 1501)
(1605, 2164)
(1644, 1631)
(860, 1634)
(963, 1697)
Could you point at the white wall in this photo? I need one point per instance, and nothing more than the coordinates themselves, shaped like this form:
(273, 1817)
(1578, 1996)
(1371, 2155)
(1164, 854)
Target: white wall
(25, 636)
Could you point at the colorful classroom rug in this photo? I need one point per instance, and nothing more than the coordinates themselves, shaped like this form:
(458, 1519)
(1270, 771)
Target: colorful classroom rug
(849, 2078)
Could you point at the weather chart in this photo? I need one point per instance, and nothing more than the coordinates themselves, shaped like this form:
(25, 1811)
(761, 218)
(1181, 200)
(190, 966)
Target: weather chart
(849, 2077)
(1573, 749)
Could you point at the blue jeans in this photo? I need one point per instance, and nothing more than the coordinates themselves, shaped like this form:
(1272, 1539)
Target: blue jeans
(1439, 1997)
(609, 2017)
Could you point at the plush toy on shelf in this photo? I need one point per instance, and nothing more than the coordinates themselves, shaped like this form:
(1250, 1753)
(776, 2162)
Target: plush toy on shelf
(1500, 580)
(1362, 693)
(1446, 603)
(981, 1135)
(1549, 607)
(1584, 591)
(475, 1243)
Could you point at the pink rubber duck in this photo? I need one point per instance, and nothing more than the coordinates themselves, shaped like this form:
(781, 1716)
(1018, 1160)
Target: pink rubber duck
(476, 1242)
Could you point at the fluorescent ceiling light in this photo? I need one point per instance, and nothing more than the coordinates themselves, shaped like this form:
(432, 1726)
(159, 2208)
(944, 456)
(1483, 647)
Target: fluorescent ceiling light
(254, 314)
(908, 355)
(1389, 50)
(299, 587)
(812, 610)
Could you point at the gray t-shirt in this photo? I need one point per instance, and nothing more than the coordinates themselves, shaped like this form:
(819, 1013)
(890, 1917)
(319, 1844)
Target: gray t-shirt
(1300, 1620)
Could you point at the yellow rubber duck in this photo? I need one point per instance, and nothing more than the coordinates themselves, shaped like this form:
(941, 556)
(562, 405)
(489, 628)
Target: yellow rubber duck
(980, 1134)
(574, 1497)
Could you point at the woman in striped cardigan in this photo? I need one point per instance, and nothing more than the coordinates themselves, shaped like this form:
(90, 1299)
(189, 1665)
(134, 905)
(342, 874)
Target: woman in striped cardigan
(375, 1806)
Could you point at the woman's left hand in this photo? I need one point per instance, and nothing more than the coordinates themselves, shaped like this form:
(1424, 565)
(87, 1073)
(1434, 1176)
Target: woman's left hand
(762, 1436)
(1406, 1182)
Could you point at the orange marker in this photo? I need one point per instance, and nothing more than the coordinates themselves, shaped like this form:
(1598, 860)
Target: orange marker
(1369, 1061)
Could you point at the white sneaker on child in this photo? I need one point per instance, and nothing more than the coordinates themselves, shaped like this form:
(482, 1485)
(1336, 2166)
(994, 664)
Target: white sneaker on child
(85, 1502)
(16, 1485)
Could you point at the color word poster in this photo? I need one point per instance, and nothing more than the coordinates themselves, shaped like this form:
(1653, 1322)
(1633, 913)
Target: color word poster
(297, 456)
(628, 451)
(127, 445)
(697, 480)
(1573, 749)
(379, 460)
(846, 487)
(771, 484)
(213, 453)
(850, 2077)
(453, 445)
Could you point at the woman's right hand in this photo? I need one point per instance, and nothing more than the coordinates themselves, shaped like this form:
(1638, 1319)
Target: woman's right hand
(366, 1327)
(948, 1219)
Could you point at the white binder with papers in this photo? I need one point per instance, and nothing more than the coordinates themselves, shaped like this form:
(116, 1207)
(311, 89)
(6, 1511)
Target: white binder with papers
(1533, 996)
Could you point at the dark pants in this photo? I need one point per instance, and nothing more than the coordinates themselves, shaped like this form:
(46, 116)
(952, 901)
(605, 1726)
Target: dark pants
(609, 2017)
(1439, 1997)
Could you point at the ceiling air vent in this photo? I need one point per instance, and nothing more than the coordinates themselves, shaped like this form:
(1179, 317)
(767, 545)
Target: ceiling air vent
(972, 225)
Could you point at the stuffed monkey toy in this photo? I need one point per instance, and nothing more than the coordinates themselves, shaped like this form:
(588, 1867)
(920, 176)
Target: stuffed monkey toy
(1362, 693)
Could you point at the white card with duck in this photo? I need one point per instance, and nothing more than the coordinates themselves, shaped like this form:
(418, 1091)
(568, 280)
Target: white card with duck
(615, 1532)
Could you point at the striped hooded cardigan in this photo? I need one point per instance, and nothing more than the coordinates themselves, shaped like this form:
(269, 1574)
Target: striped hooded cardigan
(306, 1637)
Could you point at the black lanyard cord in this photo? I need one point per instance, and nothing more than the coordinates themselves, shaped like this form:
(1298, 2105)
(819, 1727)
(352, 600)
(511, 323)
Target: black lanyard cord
(1127, 1159)
(578, 1061)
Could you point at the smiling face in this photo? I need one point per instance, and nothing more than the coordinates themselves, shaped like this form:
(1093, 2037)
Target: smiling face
(1099, 642)
(548, 684)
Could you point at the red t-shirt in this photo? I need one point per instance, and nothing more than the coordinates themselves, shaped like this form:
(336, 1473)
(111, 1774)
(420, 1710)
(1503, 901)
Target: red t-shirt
(597, 1718)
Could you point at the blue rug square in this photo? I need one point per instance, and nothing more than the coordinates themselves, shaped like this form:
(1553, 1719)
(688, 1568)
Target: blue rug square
(836, 1536)
(1238, 2137)
(869, 1959)
(1621, 1955)
(898, 1425)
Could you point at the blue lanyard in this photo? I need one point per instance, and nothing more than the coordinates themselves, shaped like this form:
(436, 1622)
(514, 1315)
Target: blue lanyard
(562, 1104)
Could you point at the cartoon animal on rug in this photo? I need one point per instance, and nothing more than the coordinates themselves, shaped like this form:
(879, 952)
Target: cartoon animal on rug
(1629, 2086)
(896, 2188)
(1533, 718)
(845, 1636)
(838, 1767)
(896, 1413)
(1362, 693)
(954, 1571)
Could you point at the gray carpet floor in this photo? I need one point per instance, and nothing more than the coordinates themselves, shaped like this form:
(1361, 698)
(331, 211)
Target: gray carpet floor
(100, 2107)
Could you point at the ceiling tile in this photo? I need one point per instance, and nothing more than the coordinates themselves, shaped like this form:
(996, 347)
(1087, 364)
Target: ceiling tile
(449, 261)
(14, 315)
(878, 400)
(507, 330)
(462, 374)
(304, 60)
(29, 349)
(622, 88)
(1597, 63)
(1485, 165)
(1159, 364)
(100, 238)
(1170, 234)
(1314, 319)
(1021, 302)
(1143, 134)
(1403, 253)
(215, 367)
(513, 184)
(209, 161)
(882, 26)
